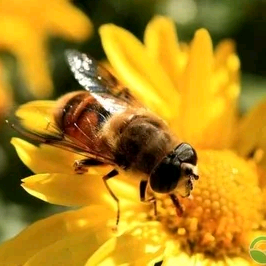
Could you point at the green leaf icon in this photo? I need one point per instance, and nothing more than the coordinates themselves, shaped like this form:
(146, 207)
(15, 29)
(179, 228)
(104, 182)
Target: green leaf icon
(258, 256)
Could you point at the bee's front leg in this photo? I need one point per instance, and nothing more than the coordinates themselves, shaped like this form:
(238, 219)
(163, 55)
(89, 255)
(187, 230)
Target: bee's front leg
(179, 208)
(111, 174)
(82, 166)
(79, 167)
(143, 185)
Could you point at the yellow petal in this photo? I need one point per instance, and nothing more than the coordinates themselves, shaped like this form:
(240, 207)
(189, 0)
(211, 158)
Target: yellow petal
(224, 49)
(45, 159)
(6, 94)
(223, 108)
(38, 116)
(227, 65)
(252, 131)
(25, 27)
(50, 230)
(226, 89)
(31, 53)
(162, 44)
(197, 97)
(68, 21)
(139, 246)
(221, 126)
(76, 190)
(72, 250)
(57, 17)
(66, 189)
(143, 75)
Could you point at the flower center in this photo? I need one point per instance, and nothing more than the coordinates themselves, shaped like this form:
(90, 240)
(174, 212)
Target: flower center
(224, 209)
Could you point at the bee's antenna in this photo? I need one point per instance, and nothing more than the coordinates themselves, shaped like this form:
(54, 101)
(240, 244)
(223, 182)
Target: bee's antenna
(16, 128)
(11, 125)
(25, 133)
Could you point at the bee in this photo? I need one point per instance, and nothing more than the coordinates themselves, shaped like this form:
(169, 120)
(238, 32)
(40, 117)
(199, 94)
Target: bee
(109, 126)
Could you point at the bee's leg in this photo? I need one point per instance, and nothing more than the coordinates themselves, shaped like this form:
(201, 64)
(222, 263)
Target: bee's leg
(81, 166)
(142, 190)
(179, 208)
(143, 195)
(111, 174)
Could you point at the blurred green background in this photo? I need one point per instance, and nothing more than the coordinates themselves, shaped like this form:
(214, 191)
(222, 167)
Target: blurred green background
(242, 20)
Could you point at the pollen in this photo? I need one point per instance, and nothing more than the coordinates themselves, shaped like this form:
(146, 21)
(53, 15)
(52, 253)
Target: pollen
(223, 210)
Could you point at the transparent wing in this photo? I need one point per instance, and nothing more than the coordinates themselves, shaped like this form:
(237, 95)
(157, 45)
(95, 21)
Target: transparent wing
(102, 84)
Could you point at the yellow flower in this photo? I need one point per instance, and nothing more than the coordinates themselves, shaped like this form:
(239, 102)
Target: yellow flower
(25, 27)
(196, 91)
(5, 95)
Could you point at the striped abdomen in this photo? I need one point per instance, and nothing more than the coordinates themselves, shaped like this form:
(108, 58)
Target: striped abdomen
(80, 116)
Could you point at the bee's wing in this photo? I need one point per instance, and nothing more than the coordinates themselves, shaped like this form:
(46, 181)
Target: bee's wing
(37, 117)
(98, 80)
(36, 122)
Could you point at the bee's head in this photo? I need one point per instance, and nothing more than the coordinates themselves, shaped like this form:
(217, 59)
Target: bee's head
(176, 171)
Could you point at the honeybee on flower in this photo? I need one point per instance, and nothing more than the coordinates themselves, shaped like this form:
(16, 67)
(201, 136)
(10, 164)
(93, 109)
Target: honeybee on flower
(108, 126)
(190, 88)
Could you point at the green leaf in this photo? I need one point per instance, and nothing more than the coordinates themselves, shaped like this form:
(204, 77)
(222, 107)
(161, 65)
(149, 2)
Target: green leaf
(258, 256)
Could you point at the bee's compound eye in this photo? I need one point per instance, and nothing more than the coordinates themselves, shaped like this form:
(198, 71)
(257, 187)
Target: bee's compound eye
(165, 176)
